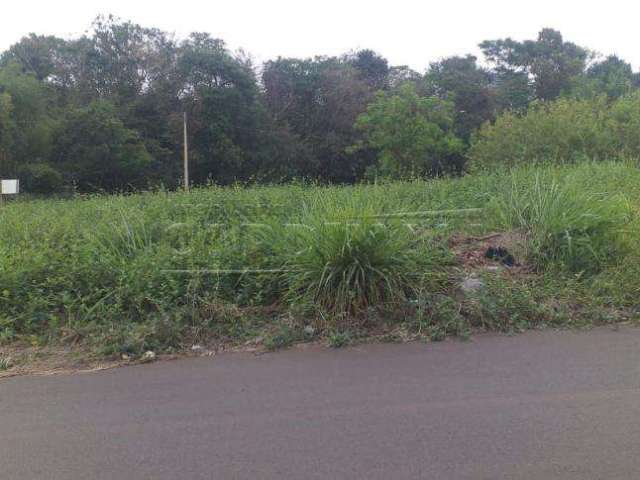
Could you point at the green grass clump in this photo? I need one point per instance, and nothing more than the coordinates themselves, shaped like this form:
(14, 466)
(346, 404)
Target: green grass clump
(437, 316)
(284, 336)
(340, 339)
(511, 305)
(564, 225)
(5, 363)
(343, 262)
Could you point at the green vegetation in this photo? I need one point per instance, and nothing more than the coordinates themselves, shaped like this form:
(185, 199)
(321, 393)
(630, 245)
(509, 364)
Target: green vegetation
(413, 134)
(340, 260)
(5, 363)
(564, 131)
(296, 247)
(339, 339)
(103, 112)
(565, 224)
(163, 271)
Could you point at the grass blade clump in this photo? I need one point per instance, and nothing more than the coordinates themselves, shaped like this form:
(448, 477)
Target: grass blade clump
(343, 262)
(564, 224)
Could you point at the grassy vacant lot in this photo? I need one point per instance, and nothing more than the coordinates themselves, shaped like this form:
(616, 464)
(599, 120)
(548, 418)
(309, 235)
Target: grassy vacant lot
(164, 271)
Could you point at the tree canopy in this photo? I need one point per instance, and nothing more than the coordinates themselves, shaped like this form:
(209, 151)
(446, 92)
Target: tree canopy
(103, 112)
(413, 134)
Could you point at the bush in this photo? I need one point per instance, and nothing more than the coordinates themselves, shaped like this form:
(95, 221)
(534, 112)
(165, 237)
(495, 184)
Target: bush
(40, 178)
(564, 131)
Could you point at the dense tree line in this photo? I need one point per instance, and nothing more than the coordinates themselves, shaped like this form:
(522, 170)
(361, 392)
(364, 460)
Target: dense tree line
(104, 112)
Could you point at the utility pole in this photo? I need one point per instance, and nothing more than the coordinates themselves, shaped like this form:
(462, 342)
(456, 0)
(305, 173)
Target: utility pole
(186, 156)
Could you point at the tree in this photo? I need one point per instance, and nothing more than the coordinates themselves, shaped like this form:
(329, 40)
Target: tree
(27, 106)
(132, 67)
(36, 54)
(563, 131)
(372, 68)
(220, 92)
(40, 178)
(6, 135)
(105, 109)
(401, 74)
(611, 76)
(551, 62)
(318, 101)
(137, 69)
(124, 59)
(412, 134)
(460, 80)
(512, 90)
(96, 151)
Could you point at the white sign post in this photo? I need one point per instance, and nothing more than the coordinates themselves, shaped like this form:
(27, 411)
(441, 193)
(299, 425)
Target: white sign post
(9, 187)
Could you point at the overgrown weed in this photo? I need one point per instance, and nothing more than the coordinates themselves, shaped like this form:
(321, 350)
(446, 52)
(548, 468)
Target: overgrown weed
(158, 270)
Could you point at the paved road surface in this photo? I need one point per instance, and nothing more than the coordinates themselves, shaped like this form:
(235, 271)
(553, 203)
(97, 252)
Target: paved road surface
(543, 405)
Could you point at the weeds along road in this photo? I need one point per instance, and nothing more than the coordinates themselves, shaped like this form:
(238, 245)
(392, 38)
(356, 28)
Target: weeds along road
(542, 405)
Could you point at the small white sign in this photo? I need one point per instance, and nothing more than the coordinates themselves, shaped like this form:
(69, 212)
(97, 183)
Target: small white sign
(9, 187)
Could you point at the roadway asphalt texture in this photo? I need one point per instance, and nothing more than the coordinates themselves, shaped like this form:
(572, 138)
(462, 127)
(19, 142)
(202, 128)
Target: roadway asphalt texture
(541, 405)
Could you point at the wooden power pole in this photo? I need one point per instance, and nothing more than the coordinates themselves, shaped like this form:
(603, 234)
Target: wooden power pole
(186, 156)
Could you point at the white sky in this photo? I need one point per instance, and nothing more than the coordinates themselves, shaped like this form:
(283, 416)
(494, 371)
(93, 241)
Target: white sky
(406, 32)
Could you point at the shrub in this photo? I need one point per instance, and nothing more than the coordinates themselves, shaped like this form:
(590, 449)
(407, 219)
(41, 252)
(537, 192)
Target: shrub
(564, 131)
(40, 178)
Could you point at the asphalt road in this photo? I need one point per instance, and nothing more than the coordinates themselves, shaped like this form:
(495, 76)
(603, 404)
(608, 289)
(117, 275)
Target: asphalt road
(542, 405)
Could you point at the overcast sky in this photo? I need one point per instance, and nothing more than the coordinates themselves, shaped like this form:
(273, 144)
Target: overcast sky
(407, 32)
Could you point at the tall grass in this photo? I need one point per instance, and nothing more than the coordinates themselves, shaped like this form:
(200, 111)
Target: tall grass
(564, 224)
(343, 261)
(153, 268)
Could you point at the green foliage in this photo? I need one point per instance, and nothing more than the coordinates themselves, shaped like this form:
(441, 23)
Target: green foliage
(316, 103)
(264, 261)
(372, 68)
(462, 81)
(413, 134)
(225, 116)
(564, 225)
(549, 60)
(513, 305)
(25, 121)
(105, 109)
(612, 77)
(158, 270)
(437, 316)
(563, 131)
(99, 265)
(284, 336)
(95, 149)
(340, 339)
(40, 178)
(512, 90)
(343, 262)
(6, 133)
(616, 287)
(5, 363)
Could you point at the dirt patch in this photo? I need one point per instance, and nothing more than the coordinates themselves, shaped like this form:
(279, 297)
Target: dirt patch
(29, 360)
(23, 359)
(506, 249)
